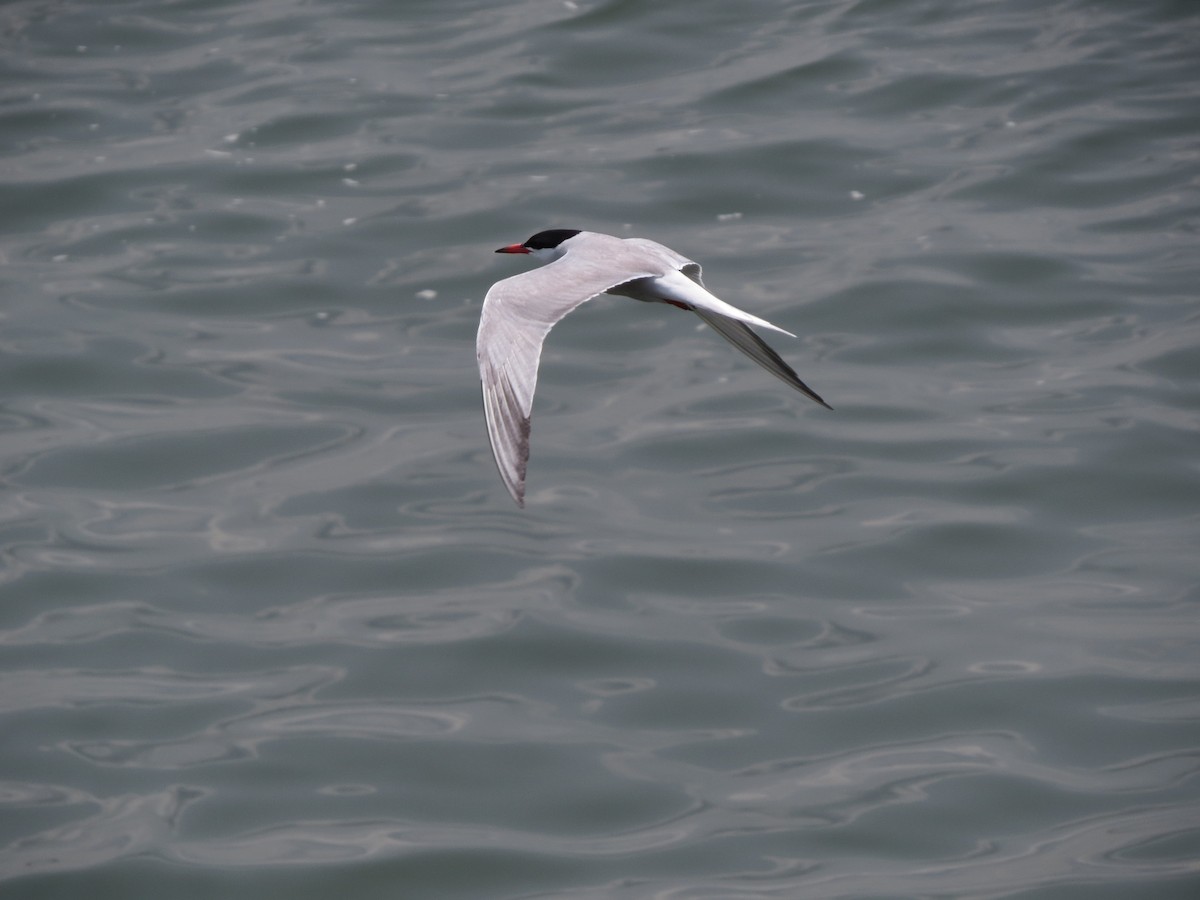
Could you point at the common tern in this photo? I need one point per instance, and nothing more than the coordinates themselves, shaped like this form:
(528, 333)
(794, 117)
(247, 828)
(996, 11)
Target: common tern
(518, 313)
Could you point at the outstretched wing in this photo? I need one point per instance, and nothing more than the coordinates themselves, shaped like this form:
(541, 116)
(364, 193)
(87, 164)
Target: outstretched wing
(517, 315)
(728, 321)
(740, 335)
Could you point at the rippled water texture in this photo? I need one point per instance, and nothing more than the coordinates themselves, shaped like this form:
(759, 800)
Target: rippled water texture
(270, 625)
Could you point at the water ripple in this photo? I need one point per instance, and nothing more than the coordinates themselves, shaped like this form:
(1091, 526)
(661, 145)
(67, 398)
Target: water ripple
(269, 621)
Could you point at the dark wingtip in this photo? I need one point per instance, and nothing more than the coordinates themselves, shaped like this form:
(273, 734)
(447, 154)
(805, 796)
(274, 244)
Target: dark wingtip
(518, 489)
(809, 392)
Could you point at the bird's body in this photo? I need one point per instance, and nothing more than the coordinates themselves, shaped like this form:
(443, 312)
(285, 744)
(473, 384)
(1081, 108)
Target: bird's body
(519, 311)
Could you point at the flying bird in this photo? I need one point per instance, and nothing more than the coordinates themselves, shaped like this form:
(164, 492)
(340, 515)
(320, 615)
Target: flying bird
(518, 313)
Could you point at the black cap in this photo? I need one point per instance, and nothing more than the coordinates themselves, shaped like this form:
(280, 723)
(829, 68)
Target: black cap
(546, 240)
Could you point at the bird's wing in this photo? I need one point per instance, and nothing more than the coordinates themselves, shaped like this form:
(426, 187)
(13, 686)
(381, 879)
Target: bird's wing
(680, 283)
(518, 313)
(740, 335)
(724, 318)
(662, 255)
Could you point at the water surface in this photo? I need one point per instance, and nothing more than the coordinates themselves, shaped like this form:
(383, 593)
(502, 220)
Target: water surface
(271, 625)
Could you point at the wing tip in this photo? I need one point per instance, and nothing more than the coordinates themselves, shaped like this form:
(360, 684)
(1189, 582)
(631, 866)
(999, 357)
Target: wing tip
(508, 431)
(515, 480)
(809, 392)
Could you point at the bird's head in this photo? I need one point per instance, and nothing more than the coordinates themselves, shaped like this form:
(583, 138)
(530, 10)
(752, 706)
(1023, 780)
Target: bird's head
(545, 245)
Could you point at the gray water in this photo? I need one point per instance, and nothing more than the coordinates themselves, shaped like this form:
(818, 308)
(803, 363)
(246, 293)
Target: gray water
(270, 625)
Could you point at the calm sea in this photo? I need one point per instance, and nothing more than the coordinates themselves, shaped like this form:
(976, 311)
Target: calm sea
(270, 625)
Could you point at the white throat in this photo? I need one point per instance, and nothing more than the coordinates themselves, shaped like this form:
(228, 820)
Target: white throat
(549, 254)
